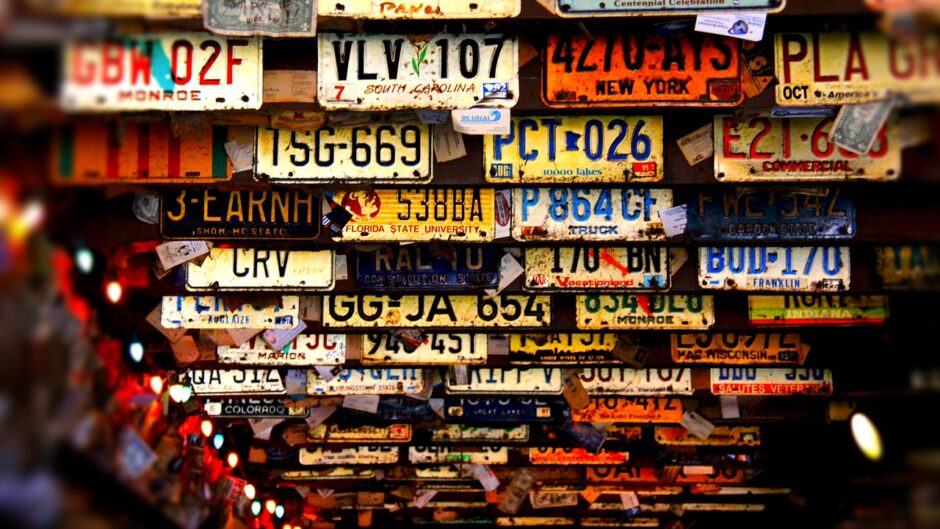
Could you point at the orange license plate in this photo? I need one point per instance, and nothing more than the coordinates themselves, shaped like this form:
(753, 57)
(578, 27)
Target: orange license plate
(640, 70)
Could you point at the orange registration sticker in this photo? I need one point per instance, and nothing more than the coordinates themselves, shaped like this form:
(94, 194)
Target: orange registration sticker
(635, 70)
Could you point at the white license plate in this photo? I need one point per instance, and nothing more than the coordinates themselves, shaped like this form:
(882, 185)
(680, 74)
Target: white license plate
(373, 153)
(430, 9)
(437, 349)
(581, 214)
(362, 455)
(421, 455)
(461, 433)
(334, 473)
(381, 72)
(585, 149)
(367, 382)
(304, 350)
(236, 381)
(171, 71)
(512, 381)
(436, 311)
(628, 381)
(210, 312)
(774, 268)
(337, 433)
(770, 381)
(255, 269)
(596, 268)
(638, 311)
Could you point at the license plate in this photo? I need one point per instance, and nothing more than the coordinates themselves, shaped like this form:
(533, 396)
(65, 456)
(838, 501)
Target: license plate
(500, 410)
(210, 312)
(627, 381)
(337, 433)
(436, 311)
(638, 311)
(619, 474)
(371, 153)
(746, 214)
(334, 473)
(720, 436)
(738, 348)
(640, 70)
(837, 68)
(432, 10)
(578, 214)
(562, 149)
(708, 489)
(304, 350)
(431, 473)
(630, 409)
(784, 269)
(124, 9)
(169, 71)
(367, 381)
(463, 433)
(437, 349)
(532, 521)
(361, 455)
(819, 309)
(786, 150)
(562, 348)
(590, 521)
(420, 455)
(417, 214)
(240, 214)
(235, 381)
(258, 269)
(416, 267)
(545, 499)
(908, 266)
(508, 380)
(770, 381)
(595, 268)
(599, 8)
(101, 152)
(443, 71)
(251, 409)
(575, 456)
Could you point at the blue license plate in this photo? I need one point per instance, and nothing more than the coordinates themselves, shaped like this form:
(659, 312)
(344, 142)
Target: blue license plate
(502, 410)
(415, 267)
(771, 214)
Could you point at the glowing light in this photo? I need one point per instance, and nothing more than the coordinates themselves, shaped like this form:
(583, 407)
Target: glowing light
(218, 440)
(180, 393)
(32, 214)
(288, 526)
(156, 384)
(279, 511)
(136, 351)
(270, 505)
(867, 437)
(114, 291)
(256, 507)
(232, 459)
(206, 427)
(84, 260)
(250, 491)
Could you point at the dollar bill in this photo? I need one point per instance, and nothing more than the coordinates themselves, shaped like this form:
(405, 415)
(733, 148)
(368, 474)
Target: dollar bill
(857, 126)
(273, 18)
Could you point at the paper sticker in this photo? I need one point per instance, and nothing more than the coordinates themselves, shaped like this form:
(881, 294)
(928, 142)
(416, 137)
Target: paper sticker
(437, 406)
(477, 121)
(503, 209)
(484, 475)
(240, 336)
(295, 383)
(698, 145)
(857, 126)
(153, 318)
(147, 207)
(696, 424)
(318, 414)
(366, 403)
(747, 26)
(242, 156)
(573, 390)
(677, 258)
(729, 407)
(509, 270)
(674, 220)
(448, 144)
(340, 267)
(423, 499)
(262, 427)
(278, 339)
(175, 253)
(327, 372)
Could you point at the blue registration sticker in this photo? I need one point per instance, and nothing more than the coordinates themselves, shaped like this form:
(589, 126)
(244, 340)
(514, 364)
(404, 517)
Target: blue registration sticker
(495, 90)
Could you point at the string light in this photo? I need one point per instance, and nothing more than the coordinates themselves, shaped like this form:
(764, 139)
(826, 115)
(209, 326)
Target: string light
(279, 511)
(218, 440)
(156, 384)
(114, 291)
(269, 506)
(867, 437)
(232, 459)
(256, 507)
(84, 259)
(135, 349)
(180, 392)
(250, 491)
(206, 427)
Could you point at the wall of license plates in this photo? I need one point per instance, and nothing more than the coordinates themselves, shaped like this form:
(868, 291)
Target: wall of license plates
(573, 263)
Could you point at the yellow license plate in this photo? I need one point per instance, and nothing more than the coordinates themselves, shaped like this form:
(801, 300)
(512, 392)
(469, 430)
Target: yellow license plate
(334, 473)
(420, 10)
(763, 149)
(562, 348)
(532, 521)
(384, 153)
(416, 214)
(738, 348)
(909, 266)
(361, 455)
(586, 149)
(720, 436)
(336, 433)
(436, 311)
(628, 311)
(437, 349)
(817, 309)
(836, 68)
(575, 456)
(596, 268)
